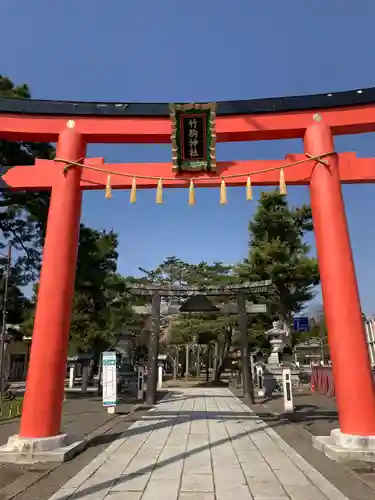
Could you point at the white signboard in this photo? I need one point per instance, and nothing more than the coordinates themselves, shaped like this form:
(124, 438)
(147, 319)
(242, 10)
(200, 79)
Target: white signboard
(109, 379)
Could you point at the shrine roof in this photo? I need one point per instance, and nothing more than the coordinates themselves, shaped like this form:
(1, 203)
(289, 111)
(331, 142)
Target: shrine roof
(327, 100)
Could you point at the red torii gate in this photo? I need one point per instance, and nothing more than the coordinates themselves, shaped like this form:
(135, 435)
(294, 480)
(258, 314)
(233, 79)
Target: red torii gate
(74, 125)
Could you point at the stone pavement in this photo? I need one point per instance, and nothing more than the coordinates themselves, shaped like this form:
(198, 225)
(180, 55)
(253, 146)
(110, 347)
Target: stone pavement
(83, 415)
(199, 444)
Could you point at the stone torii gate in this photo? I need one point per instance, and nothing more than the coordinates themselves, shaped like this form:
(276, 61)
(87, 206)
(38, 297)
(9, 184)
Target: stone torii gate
(240, 293)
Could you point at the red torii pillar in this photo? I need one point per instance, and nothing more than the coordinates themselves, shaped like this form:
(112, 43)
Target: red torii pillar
(42, 407)
(354, 386)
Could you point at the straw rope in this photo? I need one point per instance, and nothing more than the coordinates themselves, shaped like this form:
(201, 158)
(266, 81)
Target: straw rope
(318, 158)
(195, 179)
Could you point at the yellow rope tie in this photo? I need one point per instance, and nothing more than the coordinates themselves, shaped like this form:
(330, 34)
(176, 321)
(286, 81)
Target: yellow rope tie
(191, 193)
(195, 180)
(282, 184)
(249, 189)
(108, 188)
(319, 159)
(159, 192)
(223, 192)
(133, 192)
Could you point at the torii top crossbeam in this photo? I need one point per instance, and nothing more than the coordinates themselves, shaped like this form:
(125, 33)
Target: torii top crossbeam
(349, 112)
(256, 287)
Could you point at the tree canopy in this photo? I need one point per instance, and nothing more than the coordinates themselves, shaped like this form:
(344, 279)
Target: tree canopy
(22, 217)
(277, 251)
(174, 271)
(23, 214)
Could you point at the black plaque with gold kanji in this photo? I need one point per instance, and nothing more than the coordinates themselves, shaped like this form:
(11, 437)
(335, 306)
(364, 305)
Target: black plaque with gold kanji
(193, 137)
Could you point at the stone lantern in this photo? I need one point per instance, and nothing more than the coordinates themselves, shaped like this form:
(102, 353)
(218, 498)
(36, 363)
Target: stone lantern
(277, 335)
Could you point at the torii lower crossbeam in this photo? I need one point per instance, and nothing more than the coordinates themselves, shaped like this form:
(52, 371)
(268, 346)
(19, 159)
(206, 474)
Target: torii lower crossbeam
(45, 173)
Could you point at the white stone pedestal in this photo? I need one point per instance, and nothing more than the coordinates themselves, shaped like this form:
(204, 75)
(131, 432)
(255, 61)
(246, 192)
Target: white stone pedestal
(71, 377)
(346, 447)
(160, 377)
(60, 448)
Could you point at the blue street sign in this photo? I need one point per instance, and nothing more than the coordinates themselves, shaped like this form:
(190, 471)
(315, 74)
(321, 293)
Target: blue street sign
(301, 324)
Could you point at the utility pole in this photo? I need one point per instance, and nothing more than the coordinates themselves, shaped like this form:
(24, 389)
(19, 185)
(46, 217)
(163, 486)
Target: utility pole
(4, 323)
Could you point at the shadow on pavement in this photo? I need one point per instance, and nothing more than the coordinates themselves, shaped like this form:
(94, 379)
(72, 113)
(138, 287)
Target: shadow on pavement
(171, 419)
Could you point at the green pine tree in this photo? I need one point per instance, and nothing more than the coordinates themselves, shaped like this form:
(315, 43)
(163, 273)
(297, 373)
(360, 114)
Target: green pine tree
(277, 251)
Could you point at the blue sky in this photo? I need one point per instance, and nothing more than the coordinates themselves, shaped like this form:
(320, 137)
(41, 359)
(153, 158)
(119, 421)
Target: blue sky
(207, 50)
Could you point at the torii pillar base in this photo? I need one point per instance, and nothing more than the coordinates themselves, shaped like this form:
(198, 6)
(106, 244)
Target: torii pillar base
(57, 449)
(346, 447)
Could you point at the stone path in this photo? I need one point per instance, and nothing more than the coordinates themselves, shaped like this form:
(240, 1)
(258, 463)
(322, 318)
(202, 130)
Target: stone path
(83, 416)
(199, 444)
